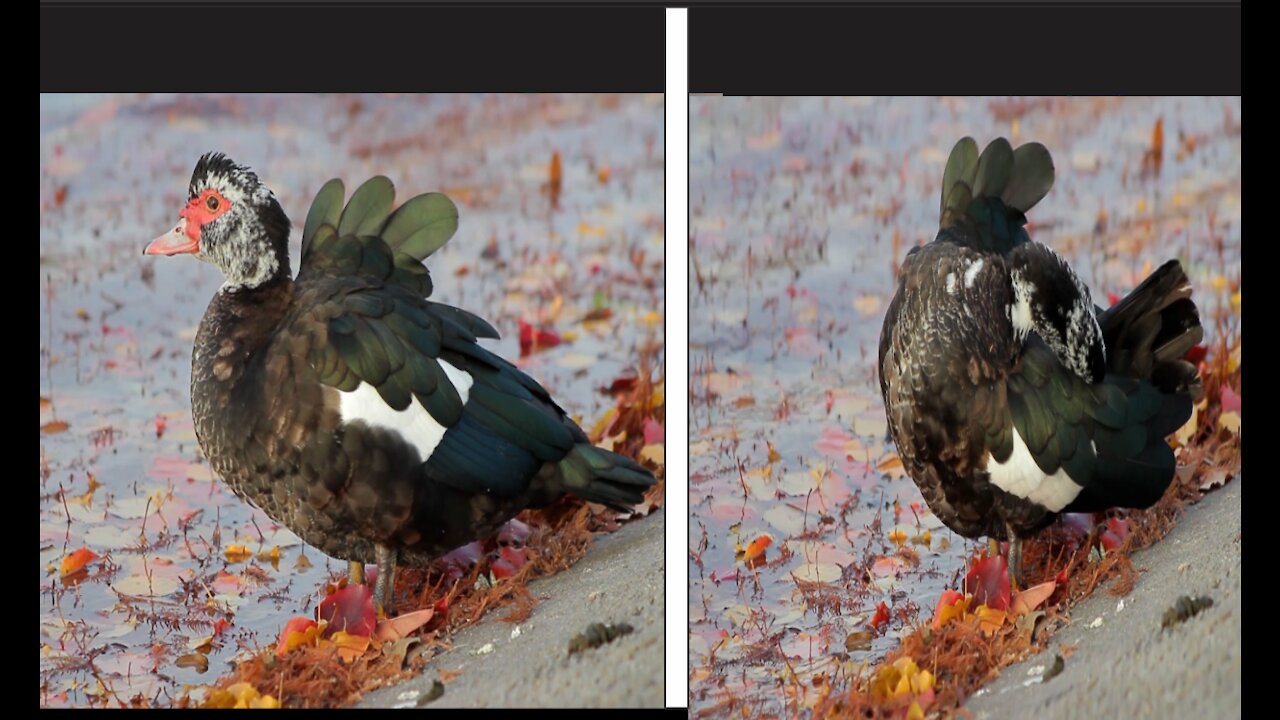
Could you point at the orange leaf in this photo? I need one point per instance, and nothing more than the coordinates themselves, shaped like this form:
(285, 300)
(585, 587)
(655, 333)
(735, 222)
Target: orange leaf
(401, 625)
(77, 560)
(297, 632)
(55, 426)
(754, 554)
(350, 646)
(1031, 598)
(951, 605)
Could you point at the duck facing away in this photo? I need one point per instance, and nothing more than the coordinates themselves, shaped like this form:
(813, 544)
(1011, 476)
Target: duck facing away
(1011, 397)
(362, 416)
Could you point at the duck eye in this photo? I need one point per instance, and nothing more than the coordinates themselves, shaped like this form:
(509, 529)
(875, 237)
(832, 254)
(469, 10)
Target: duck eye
(212, 202)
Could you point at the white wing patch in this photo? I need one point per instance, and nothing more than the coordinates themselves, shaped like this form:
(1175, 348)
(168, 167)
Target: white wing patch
(1020, 313)
(972, 273)
(1020, 476)
(413, 423)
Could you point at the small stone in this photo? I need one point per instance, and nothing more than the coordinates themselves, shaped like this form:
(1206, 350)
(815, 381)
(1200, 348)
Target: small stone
(1036, 670)
(1097, 622)
(515, 632)
(485, 649)
(1120, 606)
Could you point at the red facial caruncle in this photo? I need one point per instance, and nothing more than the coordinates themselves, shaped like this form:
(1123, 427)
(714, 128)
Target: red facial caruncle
(201, 210)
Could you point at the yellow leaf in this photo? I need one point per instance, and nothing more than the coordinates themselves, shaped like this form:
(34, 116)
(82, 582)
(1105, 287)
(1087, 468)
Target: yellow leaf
(914, 712)
(989, 620)
(1219, 283)
(1230, 421)
(238, 553)
(773, 454)
(655, 453)
(604, 421)
(925, 538)
(897, 536)
(652, 318)
(867, 304)
(265, 702)
(596, 231)
(350, 646)
(947, 613)
(1235, 301)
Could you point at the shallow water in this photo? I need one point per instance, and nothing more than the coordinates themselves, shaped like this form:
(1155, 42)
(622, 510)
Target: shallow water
(116, 331)
(795, 204)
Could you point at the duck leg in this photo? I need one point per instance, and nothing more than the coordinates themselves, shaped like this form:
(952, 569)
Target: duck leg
(355, 572)
(1015, 560)
(386, 581)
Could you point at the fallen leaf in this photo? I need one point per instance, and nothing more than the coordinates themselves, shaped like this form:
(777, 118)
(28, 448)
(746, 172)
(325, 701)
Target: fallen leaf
(534, 339)
(655, 454)
(858, 640)
(881, 616)
(1031, 598)
(75, 561)
(988, 582)
(349, 610)
(401, 626)
(350, 646)
(754, 553)
(990, 619)
(297, 632)
(193, 660)
(54, 426)
(951, 605)
(654, 432)
(1230, 400)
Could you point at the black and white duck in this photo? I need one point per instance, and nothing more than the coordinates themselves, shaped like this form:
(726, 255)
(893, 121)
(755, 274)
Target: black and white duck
(365, 418)
(1011, 397)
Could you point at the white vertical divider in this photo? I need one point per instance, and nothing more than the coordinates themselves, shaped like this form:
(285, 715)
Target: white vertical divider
(677, 353)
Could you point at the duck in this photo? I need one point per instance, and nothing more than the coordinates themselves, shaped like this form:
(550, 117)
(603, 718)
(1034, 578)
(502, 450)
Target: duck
(1011, 397)
(346, 405)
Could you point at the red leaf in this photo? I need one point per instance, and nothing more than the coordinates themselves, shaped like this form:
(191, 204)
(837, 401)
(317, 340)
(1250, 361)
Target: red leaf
(653, 432)
(502, 569)
(620, 384)
(220, 626)
(882, 615)
(1196, 354)
(1230, 400)
(518, 557)
(988, 580)
(514, 532)
(1113, 298)
(1116, 532)
(459, 562)
(533, 339)
(350, 609)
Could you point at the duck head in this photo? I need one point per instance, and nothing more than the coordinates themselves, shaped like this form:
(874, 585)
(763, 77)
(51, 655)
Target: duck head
(231, 219)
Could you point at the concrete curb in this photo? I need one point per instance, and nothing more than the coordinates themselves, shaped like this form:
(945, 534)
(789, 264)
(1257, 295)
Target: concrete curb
(621, 580)
(1124, 664)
